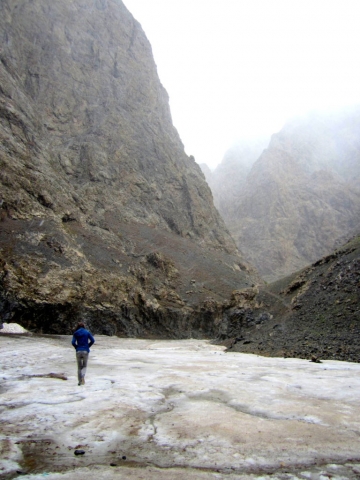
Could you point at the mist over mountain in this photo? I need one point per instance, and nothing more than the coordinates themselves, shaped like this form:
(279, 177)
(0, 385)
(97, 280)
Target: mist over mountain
(229, 177)
(300, 198)
(104, 217)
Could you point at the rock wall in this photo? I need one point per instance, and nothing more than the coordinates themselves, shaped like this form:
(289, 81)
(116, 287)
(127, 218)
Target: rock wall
(103, 216)
(80, 78)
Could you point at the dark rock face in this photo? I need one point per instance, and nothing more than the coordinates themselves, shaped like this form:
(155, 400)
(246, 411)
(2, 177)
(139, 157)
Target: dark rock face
(103, 216)
(300, 199)
(80, 88)
(315, 312)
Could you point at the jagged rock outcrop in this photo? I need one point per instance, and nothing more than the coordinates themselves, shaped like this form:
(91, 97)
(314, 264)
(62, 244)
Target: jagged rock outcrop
(103, 216)
(301, 197)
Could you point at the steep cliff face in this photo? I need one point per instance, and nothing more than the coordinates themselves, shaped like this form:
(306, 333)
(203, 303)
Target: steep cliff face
(301, 197)
(103, 215)
(80, 76)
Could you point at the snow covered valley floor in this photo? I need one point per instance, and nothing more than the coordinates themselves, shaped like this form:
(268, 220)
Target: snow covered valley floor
(173, 410)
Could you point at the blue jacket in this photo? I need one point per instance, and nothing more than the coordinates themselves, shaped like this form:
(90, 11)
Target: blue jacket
(82, 340)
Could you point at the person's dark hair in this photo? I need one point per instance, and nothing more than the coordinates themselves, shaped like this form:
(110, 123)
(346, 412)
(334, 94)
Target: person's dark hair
(80, 325)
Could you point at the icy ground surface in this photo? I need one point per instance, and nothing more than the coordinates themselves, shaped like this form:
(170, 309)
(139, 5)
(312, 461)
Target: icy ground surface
(173, 410)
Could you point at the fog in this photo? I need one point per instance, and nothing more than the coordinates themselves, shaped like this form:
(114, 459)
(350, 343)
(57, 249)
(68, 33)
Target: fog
(239, 69)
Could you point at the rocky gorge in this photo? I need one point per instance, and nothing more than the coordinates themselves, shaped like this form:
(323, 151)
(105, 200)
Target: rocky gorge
(104, 218)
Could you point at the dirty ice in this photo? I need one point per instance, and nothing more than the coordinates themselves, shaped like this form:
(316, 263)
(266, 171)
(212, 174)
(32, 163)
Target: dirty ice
(173, 410)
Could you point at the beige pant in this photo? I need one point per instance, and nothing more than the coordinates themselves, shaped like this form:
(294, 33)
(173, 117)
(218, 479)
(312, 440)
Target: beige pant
(82, 359)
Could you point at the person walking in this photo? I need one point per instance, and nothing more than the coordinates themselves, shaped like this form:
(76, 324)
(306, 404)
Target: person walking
(82, 341)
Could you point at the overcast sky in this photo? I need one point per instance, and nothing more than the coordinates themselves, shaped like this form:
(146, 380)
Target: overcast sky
(240, 68)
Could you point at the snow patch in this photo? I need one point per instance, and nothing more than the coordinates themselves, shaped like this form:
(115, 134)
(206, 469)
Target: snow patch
(12, 328)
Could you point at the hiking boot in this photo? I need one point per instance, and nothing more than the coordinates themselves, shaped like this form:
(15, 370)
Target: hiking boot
(83, 381)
